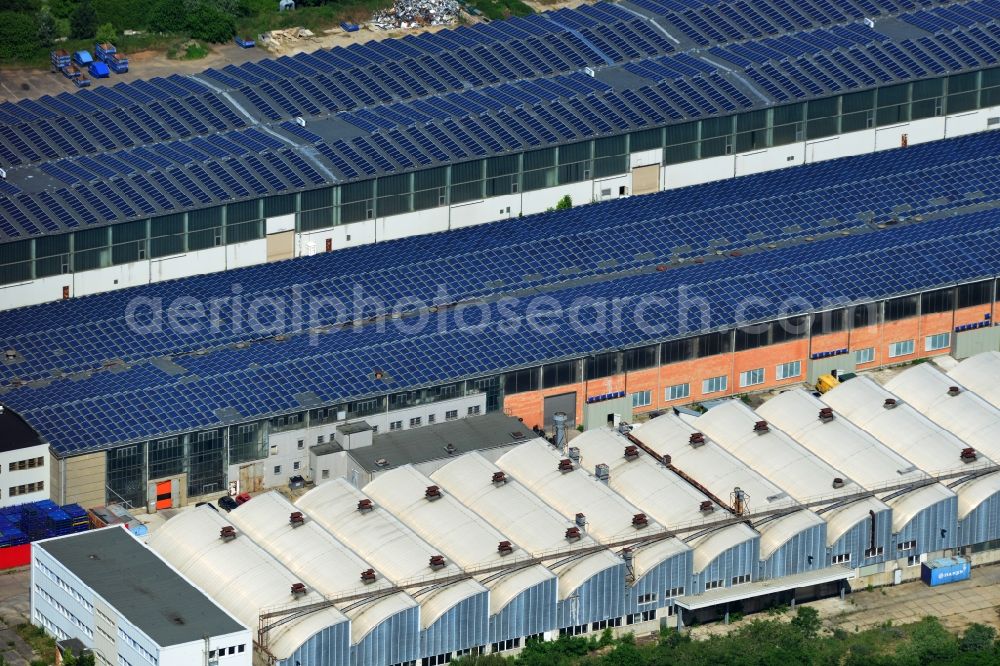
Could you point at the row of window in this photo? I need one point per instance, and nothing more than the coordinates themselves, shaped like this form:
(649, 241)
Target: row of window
(496, 176)
(232, 649)
(135, 645)
(64, 586)
(30, 463)
(65, 612)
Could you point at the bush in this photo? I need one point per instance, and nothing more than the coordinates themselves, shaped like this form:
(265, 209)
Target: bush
(211, 24)
(168, 16)
(807, 621)
(18, 36)
(46, 27)
(106, 33)
(83, 22)
(565, 203)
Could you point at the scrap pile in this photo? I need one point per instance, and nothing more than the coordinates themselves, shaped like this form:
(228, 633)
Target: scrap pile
(277, 40)
(415, 13)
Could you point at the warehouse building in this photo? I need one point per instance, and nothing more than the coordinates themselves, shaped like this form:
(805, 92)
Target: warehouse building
(858, 532)
(454, 618)
(791, 542)
(591, 593)
(924, 519)
(175, 176)
(123, 602)
(522, 600)
(384, 628)
(932, 448)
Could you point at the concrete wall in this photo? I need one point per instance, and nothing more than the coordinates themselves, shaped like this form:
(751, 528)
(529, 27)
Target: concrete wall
(83, 479)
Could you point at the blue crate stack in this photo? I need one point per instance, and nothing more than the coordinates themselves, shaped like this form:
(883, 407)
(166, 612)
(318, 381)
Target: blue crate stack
(24, 523)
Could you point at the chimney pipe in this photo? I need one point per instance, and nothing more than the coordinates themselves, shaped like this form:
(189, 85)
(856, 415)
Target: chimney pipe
(559, 422)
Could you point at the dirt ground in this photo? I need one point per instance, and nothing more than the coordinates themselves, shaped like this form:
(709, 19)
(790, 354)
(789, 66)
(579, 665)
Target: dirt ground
(16, 84)
(15, 608)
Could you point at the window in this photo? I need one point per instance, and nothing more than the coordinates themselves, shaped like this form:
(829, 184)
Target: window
(873, 552)
(866, 355)
(573, 631)
(558, 374)
(396, 425)
(640, 358)
(977, 293)
(325, 474)
(296, 464)
(713, 584)
(906, 545)
(642, 399)
(520, 380)
(26, 488)
(739, 580)
(752, 377)
(842, 558)
(788, 370)
(475, 409)
(912, 560)
(503, 646)
(277, 469)
(900, 308)
(301, 444)
(902, 348)
(604, 624)
(451, 415)
(678, 391)
(601, 365)
(644, 616)
(831, 321)
(431, 418)
(30, 463)
(675, 592)
(938, 341)
(942, 300)
(864, 315)
(320, 439)
(647, 598)
(416, 422)
(715, 384)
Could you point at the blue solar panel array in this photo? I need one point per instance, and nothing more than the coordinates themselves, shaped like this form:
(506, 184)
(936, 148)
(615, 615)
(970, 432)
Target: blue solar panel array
(263, 379)
(826, 198)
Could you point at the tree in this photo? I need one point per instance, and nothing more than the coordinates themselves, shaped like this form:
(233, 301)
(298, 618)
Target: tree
(807, 621)
(83, 22)
(46, 27)
(565, 203)
(210, 24)
(978, 638)
(168, 16)
(18, 36)
(106, 33)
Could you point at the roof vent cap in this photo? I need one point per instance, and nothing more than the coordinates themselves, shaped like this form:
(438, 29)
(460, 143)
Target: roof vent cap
(838, 482)
(826, 414)
(572, 534)
(296, 519)
(706, 507)
(760, 427)
(298, 589)
(639, 521)
(696, 439)
(631, 452)
(890, 403)
(365, 505)
(565, 465)
(968, 454)
(504, 548)
(499, 478)
(437, 562)
(953, 391)
(368, 576)
(574, 453)
(432, 493)
(227, 533)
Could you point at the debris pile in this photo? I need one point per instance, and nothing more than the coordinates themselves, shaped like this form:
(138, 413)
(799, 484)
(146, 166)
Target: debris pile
(277, 40)
(415, 13)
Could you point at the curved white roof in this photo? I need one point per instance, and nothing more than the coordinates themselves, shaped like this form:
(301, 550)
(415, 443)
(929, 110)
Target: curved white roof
(973, 493)
(839, 442)
(659, 493)
(317, 558)
(981, 373)
(460, 534)
(609, 515)
(392, 548)
(523, 517)
(902, 428)
(239, 576)
(969, 416)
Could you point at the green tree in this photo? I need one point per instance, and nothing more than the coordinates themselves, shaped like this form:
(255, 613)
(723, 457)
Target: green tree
(46, 27)
(211, 24)
(18, 36)
(807, 621)
(106, 33)
(83, 22)
(168, 16)
(565, 203)
(978, 638)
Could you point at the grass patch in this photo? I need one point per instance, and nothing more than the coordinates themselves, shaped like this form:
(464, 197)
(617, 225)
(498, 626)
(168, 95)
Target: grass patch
(188, 51)
(264, 15)
(501, 9)
(43, 645)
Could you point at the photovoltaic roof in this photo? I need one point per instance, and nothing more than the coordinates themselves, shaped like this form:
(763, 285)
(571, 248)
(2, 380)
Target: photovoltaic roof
(149, 148)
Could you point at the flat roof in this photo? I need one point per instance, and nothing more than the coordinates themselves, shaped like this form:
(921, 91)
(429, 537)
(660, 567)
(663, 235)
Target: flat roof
(757, 588)
(418, 445)
(141, 586)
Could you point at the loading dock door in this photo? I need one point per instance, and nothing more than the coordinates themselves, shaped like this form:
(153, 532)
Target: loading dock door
(565, 402)
(281, 246)
(646, 179)
(164, 496)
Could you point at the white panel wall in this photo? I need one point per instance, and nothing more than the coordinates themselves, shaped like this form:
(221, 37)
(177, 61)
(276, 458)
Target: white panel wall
(412, 224)
(612, 186)
(702, 171)
(485, 210)
(189, 263)
(645, 158)
(33, 292)
(539, 201)
(111, 278)
(770, 159)
(973, 121)
(844, 145)
(239, 255)
(280, 223)
(19, 477)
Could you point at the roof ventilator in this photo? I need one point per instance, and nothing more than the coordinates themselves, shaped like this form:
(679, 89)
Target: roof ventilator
(826, 414)
(368, 576)
(227, 533)
(760, 427)
(696, 439)
(581, 520)
(499, 478)
(890, 403)
(432, 493)
(953, 391)
(436, 562)
(574, 454)
(968, 455)
(10, 354)
(602, 472)
(631, 452)
(838, 482)
(296, 519)
(565, 465)
(639, 521)
(365, 505)
(706, 507)
(572, 534)
(299, 589)
(504, 548)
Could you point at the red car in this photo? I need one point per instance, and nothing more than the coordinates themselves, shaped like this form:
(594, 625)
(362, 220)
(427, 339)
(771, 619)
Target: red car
(243, 498)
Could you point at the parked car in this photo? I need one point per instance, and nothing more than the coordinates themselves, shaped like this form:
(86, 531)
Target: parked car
(227, 503)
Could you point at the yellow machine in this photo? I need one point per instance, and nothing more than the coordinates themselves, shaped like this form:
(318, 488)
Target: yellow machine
(826, 382)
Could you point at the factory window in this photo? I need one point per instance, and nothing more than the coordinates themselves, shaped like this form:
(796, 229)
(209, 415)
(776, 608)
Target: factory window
(902, 348)
(301, 444)
(990, 87)
(436, 659)
(475, 409)
(678, 350)
(451, 415)
(977, 293)
(639, 358)
(647, 598)
(357, 201)
(574, 162)
(363, 408)
(166, 457)
(52, 254)
(574, 630)
(906, 545)
(941, 300)
(866, 355)
(893, 104)
(675, 592)
(317, 209)
(645, 139)
(604, 624)
(713, 584)
(539, 169)
(246, 443)
(938, 341)
(864, 315)
(502, 175)
(842, 558)
(751, 337)
(30, 463)
(610, 156)
(26, 488)
(926, 97)
(788, 370)
(281, 204)
(277, 469)
(602, 365)
(204, 228)
(503, 646)
(288, 422)
(558, 374)
(128, 242)
(830, 321)
(711, 344)
(715, 384)
(912, 560)
(520, 380)
(429, 188)
(857, 111)
(296, 464)
(717, 136)
(90, 249)
(416, 422)
(752, 377)
(681, 143)
(873, 552)
(394, 195)
(642, 399)
(739, 580)
(431, 418)
(788, 125)
(677, 391)
(900, 308)
(751, 131)
(792, 328)
(963, 93)
(396, 425)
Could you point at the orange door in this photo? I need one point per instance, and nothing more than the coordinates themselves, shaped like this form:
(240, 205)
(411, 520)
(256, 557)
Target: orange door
(163, 498)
